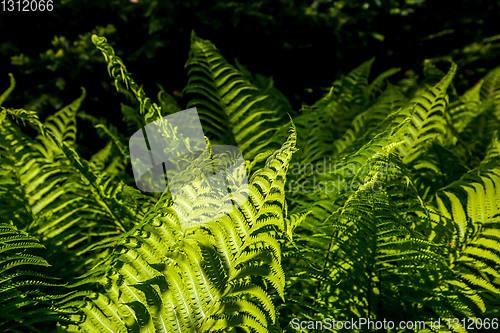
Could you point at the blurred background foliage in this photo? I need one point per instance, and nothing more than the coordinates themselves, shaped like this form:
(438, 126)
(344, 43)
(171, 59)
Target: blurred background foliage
(299, 46)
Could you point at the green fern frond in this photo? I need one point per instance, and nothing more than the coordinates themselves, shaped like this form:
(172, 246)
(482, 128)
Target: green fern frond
(472, 204)
(53, 193)
(6, 93)
(62, 124)
(167, 102)
(427, 118)
(228, 100)
(162, 280)
(375, 87)
(464, 109)
(24, 115)
(389, 102)
(22, 301)
(493, 150)
(118, 71)
(330, 117)
(491, 86)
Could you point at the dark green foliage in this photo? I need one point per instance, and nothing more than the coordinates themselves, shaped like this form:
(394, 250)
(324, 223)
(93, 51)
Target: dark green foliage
(304, 44)
(404, 215)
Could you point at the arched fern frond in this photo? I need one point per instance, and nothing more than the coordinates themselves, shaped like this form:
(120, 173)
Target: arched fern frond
(163, 280)
(472, 205)
(53, 194)
(62, 124)
(229, 105)
(427, 118)
(24, 304)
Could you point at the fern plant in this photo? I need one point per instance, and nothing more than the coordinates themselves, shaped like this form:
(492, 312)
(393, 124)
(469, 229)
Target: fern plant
(395, 246)
(404, 213)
